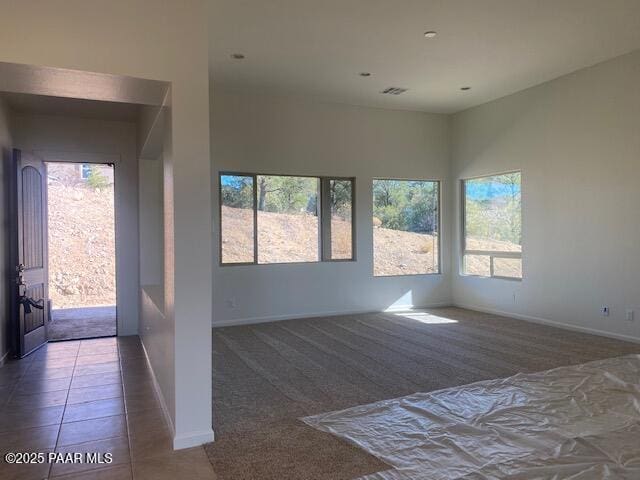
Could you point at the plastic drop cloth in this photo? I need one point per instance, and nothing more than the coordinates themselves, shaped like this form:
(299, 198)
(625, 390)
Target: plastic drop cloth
(579, 422)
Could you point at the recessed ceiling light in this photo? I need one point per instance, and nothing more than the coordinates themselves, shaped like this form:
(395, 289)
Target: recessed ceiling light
(237, 56)
(365, 74)
(430, 34)
(465, 88)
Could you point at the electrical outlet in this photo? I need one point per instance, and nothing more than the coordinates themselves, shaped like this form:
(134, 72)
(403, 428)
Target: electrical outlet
(630, 315)
(231, 303)
(604, 311)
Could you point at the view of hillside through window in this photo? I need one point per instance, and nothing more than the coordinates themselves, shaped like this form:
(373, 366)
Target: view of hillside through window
(277, 219)
(341, 203)
(287, 218)
(493, 226)
(288, 221)
(405, 227)
(236, 218)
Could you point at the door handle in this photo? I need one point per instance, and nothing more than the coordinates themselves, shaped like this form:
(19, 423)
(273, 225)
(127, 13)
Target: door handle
(28, 302)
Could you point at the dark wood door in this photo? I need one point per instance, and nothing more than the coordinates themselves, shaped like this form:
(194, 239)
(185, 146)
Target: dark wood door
(29, 253)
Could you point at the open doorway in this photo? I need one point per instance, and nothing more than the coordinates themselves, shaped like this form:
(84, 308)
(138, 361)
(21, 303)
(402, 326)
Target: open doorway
(81, 250)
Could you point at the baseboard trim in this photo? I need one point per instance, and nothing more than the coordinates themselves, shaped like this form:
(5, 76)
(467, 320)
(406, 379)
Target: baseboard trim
(185, 440)
(193, 439)
(552, 323)
(156, 387)
(4, 358)
(294, 316)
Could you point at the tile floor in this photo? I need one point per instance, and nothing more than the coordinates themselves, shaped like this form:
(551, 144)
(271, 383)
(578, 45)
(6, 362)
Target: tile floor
(90, 396)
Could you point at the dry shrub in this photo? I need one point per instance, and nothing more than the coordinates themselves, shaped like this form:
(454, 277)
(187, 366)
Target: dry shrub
(341, 240)
(377, 223)
(426, 246)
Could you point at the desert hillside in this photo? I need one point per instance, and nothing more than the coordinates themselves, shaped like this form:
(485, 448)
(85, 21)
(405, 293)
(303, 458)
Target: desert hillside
(294, 237)
(81, 246)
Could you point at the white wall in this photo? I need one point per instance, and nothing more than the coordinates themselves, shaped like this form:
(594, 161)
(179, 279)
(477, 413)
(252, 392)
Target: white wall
(6, 144)
(165, 41)
(577, 141)
(73, 139)
(276, 135)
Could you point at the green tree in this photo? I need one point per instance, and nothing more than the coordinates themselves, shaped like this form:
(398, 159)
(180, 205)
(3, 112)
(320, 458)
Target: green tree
(493, 208)
(406, 205)
(96, 179)
(237, 191)
(284, 194)
(340, 196)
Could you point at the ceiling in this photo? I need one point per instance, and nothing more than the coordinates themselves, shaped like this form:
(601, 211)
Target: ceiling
(71, 107)
(497, 47)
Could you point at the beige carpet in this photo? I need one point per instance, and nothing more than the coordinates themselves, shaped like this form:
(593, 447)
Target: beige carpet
(267, 376)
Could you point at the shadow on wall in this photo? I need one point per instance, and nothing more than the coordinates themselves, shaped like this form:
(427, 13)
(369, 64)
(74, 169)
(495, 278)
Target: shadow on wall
(5, 267)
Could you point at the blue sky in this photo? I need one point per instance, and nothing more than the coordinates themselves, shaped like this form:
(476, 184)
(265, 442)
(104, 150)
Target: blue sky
(484, 190)
(231, 179)
(475, 189)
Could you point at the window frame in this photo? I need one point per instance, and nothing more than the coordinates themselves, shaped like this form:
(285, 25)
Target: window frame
(324, 220)
(438, 182)
(492, 254)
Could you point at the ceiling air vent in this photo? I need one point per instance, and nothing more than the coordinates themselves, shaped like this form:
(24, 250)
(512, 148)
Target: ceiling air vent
(393, 90)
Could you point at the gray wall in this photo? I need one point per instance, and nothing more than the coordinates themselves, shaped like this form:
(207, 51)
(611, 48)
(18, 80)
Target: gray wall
(5, 155)
(576, 140)
(275, 135)
(151, 224)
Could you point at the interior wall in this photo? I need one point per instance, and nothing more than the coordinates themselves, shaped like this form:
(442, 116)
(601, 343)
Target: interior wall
(577, 143)
(70, 139)
(154, 323)
(165, 41)
(151, 224)
(264, 134)
(6, 144)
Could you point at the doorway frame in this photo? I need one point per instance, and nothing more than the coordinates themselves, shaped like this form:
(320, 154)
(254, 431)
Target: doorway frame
(112, 159)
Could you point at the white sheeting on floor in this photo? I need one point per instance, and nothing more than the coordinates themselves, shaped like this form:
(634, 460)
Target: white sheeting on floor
(579, 422)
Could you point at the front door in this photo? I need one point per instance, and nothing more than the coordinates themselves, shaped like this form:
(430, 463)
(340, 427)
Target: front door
(29, 296)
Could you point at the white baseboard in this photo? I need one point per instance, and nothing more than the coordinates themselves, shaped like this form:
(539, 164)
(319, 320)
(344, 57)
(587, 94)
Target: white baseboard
(156, 387)
(275, 318)
(193, 439)
(553, 323)
(185, 440)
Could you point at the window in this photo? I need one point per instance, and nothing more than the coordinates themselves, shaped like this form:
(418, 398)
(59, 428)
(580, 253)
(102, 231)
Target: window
(237, 220)
(85, 170)
(281, 219)
(406, 227)
(492, 240)
(338, 226)
(288, 220)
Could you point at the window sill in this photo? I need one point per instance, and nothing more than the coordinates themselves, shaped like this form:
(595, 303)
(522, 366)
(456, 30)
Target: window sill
(494, 277)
